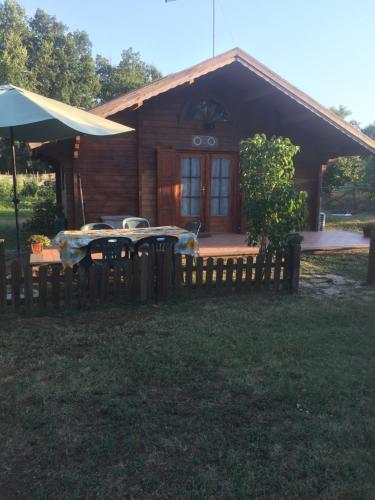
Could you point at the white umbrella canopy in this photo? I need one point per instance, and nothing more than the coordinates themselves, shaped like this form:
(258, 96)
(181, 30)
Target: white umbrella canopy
(35, 118)
(29, 117)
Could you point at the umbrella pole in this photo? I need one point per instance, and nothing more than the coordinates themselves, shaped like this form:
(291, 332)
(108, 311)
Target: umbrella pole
(15, 198)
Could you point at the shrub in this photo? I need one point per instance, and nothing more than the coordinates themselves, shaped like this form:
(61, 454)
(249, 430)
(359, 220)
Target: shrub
(30, 188)
(44, 211)
(6, 189)
(273, 206)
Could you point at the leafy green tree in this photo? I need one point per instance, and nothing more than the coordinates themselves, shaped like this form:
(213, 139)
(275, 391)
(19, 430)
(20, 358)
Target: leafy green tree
(273, 206)
(42, 220)
(41, 55)
(343, 112)
(346, 171)
(370, 130)
(14, 36)
(131, 73)
(60, 62)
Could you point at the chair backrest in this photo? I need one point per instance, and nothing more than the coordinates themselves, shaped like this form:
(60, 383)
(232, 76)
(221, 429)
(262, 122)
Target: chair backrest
(193, 226)
(109, 250)
(155, 244)
(135, 223)
(95, 226)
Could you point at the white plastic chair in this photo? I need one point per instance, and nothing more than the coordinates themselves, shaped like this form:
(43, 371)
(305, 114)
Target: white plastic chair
(135, 223)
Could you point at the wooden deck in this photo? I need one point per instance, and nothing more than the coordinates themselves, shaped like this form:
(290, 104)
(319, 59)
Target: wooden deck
(231, 244)
(224, 244)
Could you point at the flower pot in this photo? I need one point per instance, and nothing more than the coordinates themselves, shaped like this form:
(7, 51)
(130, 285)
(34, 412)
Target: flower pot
(36, 247)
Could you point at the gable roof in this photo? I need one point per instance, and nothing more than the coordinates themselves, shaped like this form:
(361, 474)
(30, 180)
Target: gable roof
(153, 89)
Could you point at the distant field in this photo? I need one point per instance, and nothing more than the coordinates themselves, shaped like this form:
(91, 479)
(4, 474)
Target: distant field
(7, 218)
(354, 223)
(8, 225)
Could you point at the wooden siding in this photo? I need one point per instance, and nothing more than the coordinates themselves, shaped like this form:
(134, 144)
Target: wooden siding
(109, 175)
(162, 126)
(119, 175)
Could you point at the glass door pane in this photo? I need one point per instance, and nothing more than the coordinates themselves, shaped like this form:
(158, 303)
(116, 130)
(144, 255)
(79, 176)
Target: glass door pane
(190, 186)
(220, 186)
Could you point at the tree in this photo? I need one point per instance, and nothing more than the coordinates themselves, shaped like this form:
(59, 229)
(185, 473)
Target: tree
(346, 170)
(14, 35)
(273, 206)
(42, 55)
(370, 130)
(343, 112)
(129, 74)
(60, 62)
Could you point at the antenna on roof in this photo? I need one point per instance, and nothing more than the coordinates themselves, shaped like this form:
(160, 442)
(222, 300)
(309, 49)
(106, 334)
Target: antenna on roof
(213, 23)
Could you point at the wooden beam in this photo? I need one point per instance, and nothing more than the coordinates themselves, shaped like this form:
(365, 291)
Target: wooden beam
(254, 95)
(297, 117)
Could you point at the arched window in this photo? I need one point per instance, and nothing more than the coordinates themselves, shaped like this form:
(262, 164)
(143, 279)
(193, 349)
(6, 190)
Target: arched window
(208, 111)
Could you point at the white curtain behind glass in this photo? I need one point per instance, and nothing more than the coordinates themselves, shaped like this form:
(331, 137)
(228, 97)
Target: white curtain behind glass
(190, 187)
(220, 186)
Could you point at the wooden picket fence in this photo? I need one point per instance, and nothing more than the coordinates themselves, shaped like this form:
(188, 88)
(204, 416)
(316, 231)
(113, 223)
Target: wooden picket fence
(371, 260)
(144, 278)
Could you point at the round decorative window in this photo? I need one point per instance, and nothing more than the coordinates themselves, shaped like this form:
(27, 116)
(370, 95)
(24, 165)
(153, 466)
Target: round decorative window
(208, 111)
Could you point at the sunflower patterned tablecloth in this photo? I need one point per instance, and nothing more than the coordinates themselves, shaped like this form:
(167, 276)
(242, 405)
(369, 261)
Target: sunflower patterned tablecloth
(72, 244)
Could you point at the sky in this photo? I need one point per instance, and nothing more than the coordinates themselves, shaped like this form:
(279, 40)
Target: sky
(323, 47)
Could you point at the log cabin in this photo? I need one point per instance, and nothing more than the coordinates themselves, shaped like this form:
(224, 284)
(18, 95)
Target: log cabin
(181, 161)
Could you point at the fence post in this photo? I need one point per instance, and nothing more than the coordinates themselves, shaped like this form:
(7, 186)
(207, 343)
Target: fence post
(163, 275)
(16, 273)
(293, 266)
(28, 288)
(144, 278)
(371, 260)
(3, 280)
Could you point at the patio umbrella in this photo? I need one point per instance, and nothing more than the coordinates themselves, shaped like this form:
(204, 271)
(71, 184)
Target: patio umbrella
(29, 117)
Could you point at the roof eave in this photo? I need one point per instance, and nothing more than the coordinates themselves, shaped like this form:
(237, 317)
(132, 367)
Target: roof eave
(238, 55)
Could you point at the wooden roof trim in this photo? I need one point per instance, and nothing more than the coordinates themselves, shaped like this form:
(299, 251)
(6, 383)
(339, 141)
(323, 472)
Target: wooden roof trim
(164, 84)
(305, 100)
(186, 76)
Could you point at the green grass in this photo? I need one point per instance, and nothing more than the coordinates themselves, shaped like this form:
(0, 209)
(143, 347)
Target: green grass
(7, 226)
(249, 397)
(354, 223)
(350, 264)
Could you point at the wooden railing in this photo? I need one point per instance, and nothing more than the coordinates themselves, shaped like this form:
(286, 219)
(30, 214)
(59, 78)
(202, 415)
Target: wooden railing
(144, 278)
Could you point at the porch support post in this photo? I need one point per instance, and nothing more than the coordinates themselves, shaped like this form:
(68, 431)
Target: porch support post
(318, 198)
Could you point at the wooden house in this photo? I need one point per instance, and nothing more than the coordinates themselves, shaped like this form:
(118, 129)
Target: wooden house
(181, 161)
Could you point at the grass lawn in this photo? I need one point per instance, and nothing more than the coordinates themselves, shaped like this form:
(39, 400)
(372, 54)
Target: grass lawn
(354, 223)
(7, 226)
(350, 264)
(248, 397)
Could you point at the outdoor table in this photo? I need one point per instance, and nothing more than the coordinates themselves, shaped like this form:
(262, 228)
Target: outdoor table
(72, 245)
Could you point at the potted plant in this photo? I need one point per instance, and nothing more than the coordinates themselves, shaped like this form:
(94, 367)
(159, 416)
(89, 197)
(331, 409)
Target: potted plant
(37, 242)
(368, 229)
